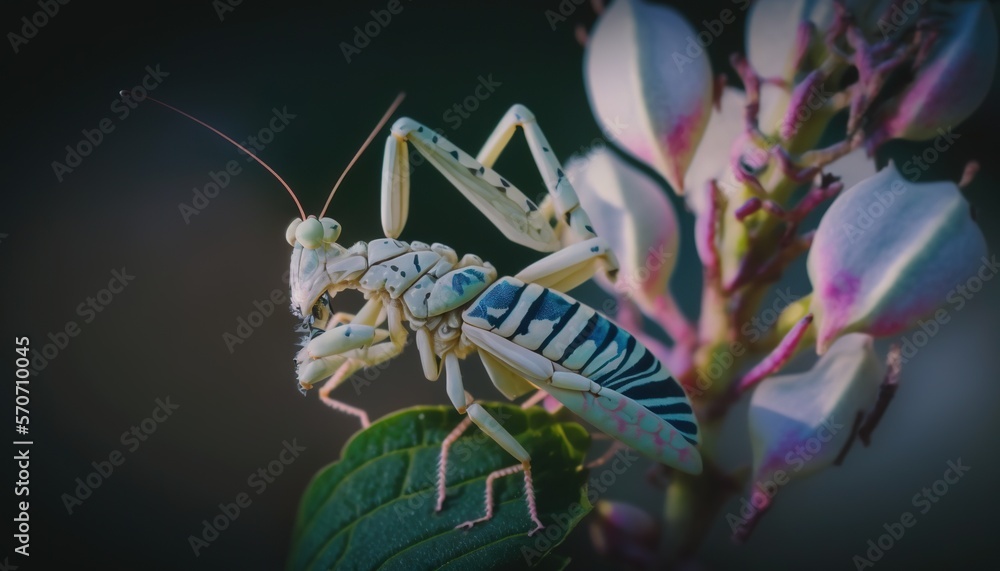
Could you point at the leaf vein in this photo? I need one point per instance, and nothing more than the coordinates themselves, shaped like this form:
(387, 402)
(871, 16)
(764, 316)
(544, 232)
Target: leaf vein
(446, 532)
(409, 451)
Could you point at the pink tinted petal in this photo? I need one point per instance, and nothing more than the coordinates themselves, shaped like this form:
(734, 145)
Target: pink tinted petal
(788, 411)
(950, 84)
(649, 89)
(629, 210)
(887, 253)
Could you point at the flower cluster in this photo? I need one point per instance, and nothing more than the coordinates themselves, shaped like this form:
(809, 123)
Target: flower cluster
(751, 169)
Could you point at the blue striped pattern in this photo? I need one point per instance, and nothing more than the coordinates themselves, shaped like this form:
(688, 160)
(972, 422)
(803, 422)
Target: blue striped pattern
(567, 332)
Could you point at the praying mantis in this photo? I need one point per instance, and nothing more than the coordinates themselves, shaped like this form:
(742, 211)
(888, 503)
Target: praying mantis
(528, 333)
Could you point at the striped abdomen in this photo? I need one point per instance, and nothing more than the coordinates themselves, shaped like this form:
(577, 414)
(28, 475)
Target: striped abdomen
(580, 339)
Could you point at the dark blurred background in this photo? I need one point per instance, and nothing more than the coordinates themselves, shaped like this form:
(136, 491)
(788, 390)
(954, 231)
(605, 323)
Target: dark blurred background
(163, 336)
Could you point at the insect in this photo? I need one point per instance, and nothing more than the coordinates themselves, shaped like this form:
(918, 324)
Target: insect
(527, 332)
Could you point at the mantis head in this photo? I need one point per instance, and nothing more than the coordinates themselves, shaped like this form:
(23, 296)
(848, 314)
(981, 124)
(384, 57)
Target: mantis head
(315, 243)
(314, 239)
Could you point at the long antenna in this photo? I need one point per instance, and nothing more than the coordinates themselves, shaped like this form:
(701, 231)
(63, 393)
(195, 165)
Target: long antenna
(302, 212)
(381, 123)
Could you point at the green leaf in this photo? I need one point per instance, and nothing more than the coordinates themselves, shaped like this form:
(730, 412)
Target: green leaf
(374, 509)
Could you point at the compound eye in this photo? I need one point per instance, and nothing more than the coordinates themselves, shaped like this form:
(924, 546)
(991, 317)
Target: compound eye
(331, 229)
(290, 232)
(309, 233)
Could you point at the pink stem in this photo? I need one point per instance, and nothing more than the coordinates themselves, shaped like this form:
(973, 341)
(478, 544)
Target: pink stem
(672, 320)
(968, 174)
(751, 83)
(814, 198)
(799, 102)
(774, 208)
(742, 533)
(836, 30)
(791, 169)
(926, 46)
(803, 37)
(770, 271)
(705, 232)
(777, 359)
(718, 88)
(748, 208)
(893, 370)
(821, 157)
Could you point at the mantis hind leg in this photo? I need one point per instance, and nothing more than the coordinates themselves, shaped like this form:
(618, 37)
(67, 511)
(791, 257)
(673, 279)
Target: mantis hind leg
(465, 404)
(606, 409)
